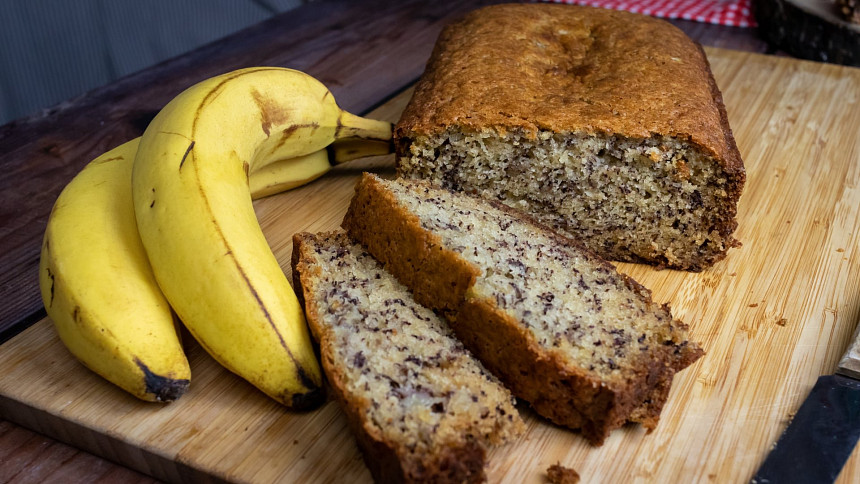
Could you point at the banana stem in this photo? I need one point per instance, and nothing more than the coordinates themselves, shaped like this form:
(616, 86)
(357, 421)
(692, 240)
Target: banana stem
(352, 126)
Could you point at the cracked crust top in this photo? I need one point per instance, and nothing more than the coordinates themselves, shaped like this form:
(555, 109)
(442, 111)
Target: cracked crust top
(570, 69)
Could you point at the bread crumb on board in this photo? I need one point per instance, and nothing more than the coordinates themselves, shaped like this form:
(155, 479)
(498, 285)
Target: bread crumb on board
(559, 474)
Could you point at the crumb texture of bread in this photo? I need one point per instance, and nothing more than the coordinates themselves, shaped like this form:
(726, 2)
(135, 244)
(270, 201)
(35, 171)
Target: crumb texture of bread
(559, 474)
(423, 408)
(603, 124)
(584, 345)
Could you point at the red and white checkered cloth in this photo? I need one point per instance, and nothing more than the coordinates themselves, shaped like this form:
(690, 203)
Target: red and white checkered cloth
(734, 13)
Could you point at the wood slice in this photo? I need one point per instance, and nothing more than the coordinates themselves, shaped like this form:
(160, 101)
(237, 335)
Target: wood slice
(810, 29)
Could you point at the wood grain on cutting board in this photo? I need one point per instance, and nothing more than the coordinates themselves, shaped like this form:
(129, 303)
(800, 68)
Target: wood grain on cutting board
(772, 317)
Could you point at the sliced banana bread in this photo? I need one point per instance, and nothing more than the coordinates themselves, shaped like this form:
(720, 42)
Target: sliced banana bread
(423, 409)
(584, 345)
(604, 124)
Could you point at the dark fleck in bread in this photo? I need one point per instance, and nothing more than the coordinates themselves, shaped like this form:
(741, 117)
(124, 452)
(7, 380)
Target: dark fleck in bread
(423, 409)
(604, 124)
(583, 344)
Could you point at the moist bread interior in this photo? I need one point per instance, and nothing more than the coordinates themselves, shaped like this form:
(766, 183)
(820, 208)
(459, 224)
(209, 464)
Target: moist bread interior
(571, 306)
(416, 384)
(631, 199)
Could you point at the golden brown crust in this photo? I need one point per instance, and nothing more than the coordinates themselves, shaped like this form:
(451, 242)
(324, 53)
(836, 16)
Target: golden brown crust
(564, 68)
(579, 73)
(557, 391)
(454, 464)
(437, 276)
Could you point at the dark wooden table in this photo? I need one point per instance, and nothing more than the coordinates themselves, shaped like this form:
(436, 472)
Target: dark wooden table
(364, 51)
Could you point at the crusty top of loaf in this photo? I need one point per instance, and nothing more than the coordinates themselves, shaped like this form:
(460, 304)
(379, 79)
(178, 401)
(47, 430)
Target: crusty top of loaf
(566, 68)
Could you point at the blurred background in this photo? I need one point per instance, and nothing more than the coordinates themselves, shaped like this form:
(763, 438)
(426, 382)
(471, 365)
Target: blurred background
(54, 50)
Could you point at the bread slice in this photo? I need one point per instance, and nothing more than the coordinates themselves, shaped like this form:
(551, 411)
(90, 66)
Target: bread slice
(604, 124)
(584, 345)
(423, 409)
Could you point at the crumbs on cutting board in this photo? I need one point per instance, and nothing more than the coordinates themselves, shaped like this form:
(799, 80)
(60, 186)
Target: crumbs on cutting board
(559, 474)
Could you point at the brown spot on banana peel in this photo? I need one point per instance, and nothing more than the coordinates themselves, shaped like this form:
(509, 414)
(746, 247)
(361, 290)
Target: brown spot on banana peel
(163, 388)
(288, 132)
(271, 113)
(216, 91)
(185, 156)
(51, 277)
(339, 127)
(106, 160)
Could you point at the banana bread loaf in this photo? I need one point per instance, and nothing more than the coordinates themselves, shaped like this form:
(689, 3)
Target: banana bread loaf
(604, 124)
(422, 408)
(584, 345)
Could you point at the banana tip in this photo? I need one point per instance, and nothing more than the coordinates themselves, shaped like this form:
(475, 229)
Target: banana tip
(164, 389)
(308, 400)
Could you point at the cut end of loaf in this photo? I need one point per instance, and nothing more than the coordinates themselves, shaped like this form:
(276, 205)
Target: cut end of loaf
(570, 302)
(585, 345)
(659, 200)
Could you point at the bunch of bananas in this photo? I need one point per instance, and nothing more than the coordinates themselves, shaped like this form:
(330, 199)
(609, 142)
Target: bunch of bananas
(164, 226)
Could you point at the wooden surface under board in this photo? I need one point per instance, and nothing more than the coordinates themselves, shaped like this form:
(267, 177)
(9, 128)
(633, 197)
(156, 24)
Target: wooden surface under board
(773, 316)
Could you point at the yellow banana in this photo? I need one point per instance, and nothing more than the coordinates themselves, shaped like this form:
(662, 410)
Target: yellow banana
(282, 175)
(197, 223)
(125, 332)
(98, 287)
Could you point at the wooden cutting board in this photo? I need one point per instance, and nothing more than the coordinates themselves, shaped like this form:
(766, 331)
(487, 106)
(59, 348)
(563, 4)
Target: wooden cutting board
(773, 316)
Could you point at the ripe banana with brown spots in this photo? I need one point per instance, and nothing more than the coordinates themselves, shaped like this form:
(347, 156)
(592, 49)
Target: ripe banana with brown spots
(96, 281)
(197, 223)
(98, 287)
